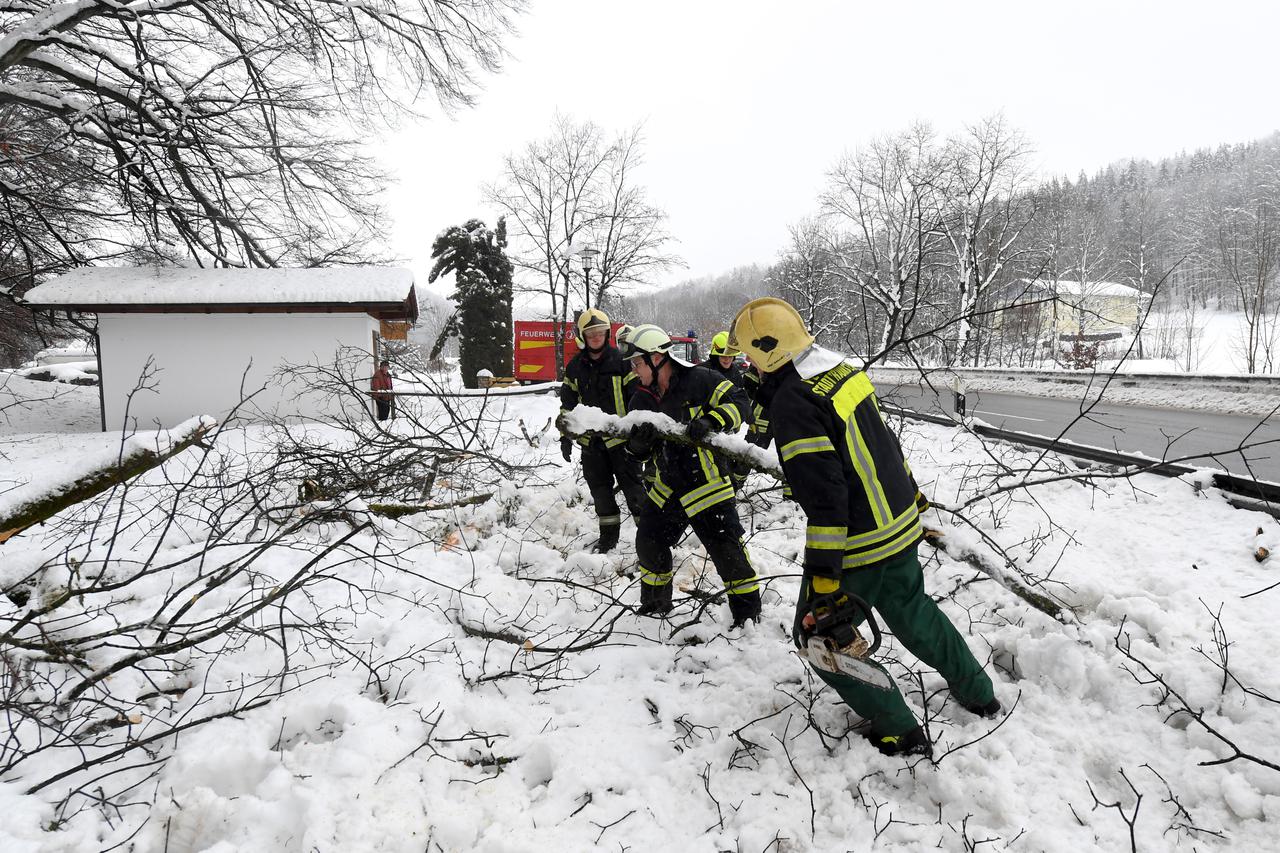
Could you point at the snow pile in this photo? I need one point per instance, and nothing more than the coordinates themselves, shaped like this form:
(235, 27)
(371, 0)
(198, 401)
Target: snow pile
(492, 690)
(28, 406)
(45, 467)
(69, 372)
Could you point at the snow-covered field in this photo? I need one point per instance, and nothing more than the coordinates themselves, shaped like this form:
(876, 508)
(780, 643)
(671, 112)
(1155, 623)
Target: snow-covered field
(492, 691)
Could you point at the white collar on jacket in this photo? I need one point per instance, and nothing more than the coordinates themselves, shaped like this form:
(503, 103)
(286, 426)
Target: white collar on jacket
(817, 359)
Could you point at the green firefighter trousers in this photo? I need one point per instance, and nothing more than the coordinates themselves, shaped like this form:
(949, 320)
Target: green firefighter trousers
(896, 590)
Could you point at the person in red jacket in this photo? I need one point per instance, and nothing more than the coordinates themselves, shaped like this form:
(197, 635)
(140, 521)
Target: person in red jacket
(382, 382)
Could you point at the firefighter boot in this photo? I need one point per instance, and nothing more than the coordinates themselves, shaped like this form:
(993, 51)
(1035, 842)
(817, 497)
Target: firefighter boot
(655, 600)
(608, 538)
(744, 606)
(912, 742)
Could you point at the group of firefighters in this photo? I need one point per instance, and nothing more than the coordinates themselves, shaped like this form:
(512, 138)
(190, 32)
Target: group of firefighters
(841, 463)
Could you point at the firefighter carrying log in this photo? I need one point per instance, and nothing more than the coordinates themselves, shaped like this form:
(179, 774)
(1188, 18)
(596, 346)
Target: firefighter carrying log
(690, 487)
(598, 376)
(849, 476)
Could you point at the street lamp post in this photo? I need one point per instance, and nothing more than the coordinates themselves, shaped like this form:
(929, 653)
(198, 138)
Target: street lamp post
(588, 257)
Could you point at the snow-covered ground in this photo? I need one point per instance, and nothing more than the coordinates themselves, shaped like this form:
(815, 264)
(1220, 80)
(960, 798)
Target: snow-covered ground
(28, 406)
(510, 701)
(1114, 390)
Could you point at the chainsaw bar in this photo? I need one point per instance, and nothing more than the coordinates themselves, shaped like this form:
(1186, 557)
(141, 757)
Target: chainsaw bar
(821, 655)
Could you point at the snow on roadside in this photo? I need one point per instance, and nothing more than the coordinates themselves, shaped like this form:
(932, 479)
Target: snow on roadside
(707, 739)
(28, 406)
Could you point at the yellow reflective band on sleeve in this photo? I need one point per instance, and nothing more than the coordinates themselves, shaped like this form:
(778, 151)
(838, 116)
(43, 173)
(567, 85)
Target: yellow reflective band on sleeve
(735, 417)
(816, 444)
(826, 538)
(571, 384)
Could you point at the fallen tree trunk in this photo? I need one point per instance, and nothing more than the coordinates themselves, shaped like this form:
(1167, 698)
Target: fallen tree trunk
(578, 424)
(399, 510)
(135, 458)
(1038, 600)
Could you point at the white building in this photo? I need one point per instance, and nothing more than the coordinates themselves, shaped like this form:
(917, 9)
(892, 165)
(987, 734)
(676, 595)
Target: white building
(211, 336)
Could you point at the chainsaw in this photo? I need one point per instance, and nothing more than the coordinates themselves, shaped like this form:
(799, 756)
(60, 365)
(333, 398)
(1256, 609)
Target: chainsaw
(830, 641)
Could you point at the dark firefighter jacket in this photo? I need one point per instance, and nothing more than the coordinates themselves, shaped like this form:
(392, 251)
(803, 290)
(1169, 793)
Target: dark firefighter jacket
(759, 432)
(733, 372)
(605, 382)
(692, 475)
(843, 464)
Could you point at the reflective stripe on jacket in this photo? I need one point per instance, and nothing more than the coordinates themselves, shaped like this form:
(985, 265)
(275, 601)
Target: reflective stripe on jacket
(605, 382)
(696, 477)
(845, 467)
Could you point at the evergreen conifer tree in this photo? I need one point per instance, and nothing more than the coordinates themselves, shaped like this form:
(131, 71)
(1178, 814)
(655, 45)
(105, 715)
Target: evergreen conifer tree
(476, 256)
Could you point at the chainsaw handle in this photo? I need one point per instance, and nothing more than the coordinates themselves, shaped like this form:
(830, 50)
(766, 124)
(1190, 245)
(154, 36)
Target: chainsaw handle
(870, 619)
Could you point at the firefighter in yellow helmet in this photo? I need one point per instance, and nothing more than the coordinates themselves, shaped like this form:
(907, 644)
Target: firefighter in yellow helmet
(691, 487)
(723, 359)
(848, 474)
(598, 376)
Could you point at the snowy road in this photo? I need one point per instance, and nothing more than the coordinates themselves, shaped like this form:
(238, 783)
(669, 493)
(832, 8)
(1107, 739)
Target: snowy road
(1169, 433)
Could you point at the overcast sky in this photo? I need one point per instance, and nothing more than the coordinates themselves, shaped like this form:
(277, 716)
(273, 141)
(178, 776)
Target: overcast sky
(746, 104)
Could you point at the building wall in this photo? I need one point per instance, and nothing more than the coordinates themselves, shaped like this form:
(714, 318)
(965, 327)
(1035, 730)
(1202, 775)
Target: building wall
(1096, 314)
(201, 361)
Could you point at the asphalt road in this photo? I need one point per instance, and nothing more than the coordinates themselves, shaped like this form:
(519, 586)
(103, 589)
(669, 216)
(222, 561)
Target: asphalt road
(1171, 434)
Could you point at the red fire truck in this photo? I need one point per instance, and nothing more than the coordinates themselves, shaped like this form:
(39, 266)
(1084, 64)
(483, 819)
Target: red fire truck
(535, 350)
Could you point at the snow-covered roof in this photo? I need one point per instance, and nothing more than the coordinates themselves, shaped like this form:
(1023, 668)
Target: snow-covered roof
(1064, 287)
(99, 287)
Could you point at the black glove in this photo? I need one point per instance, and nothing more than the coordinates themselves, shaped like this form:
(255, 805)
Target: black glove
(566, 449)
(700, 428)
(643, 437)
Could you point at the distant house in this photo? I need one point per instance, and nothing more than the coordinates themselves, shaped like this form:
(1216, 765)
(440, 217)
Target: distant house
(1074, 310)
(208, 333)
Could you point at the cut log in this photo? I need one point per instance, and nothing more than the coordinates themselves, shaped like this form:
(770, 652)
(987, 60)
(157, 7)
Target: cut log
(1038, 600)
(137, 458)
(728, 446)
(399, 510)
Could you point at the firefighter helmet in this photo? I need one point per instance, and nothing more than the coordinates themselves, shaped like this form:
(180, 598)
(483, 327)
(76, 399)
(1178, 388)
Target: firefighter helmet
(770, 332)
(647, 339)
(592, 319)
(620, 336)
(720, 345)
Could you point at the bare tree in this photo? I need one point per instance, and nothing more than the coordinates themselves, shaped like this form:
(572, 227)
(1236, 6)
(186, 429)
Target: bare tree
(805, 278)
(986, 211)
(573, 189)
(222, 132)
(1242, 221)
(884, 206)
(631, 232)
